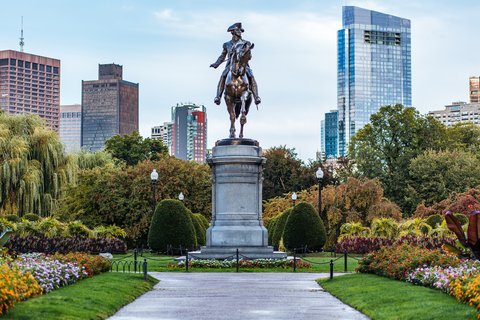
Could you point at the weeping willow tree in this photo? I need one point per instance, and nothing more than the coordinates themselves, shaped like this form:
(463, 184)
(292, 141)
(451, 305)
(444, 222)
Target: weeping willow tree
(34, 167)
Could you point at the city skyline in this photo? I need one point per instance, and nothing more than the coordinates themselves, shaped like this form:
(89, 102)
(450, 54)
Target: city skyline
(167, 47)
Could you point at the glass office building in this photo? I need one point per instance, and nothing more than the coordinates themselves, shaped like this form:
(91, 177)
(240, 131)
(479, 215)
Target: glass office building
(374, 68)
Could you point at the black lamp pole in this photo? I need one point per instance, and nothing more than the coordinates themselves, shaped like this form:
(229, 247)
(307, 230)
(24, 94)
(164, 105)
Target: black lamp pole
(154, 179)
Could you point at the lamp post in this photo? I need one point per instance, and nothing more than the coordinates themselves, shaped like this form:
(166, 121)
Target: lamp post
(294, 198)
(154, 179)
(181, 196)
(319, 175)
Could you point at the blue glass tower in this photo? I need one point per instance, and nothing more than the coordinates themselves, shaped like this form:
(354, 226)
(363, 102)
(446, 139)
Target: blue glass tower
(374, 68)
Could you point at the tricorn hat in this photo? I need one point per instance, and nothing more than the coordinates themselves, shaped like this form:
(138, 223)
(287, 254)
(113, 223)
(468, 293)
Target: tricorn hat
(234, 26)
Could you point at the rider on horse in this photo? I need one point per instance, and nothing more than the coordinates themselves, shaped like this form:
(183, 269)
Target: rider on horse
(228, 49)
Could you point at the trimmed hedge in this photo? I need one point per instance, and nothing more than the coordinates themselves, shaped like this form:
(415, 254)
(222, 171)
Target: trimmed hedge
(31, 217)
(270, 225)
(12, 218)
(171, 225)
(434, 220)
(202, 219)
(43, 244)
(304, 228)
(200, 230)
(280, 226)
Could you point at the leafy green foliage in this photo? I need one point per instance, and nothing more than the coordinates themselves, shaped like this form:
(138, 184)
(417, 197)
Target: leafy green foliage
(353, 229)
(31, 217)
(12, 218)
(171, 225)
(435, 220)
(202, 219)
(35, 169)
(123, 196)
(200, 229)
(385, 227)
(304, 228)
(133, 148)
(284, 172)
(78, 229)
(280, 226)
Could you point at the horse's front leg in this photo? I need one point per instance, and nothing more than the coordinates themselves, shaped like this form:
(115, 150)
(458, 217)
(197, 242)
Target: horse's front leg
(243, 117)
(231, 111)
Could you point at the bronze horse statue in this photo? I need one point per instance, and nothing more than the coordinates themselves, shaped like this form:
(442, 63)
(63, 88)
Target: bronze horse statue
(238, 96)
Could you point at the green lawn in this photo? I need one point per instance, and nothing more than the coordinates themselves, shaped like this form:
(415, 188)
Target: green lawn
(161, 262)
(383, 298)
(94, 298)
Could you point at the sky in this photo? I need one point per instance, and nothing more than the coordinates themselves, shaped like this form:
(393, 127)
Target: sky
(167, 46)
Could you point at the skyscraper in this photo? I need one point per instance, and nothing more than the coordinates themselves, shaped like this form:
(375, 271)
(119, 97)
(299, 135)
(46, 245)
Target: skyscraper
(30, 84)
(330, 134)
(164, 133)
(109, 107)
(374, 68)
(474, 89)
(189, 132)
(70, 126)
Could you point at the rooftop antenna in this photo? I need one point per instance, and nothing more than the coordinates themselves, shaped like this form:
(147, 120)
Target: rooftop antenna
(21, 38)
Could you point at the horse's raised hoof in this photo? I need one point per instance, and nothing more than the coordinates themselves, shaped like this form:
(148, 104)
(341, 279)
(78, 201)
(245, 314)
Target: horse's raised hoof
(217, 101)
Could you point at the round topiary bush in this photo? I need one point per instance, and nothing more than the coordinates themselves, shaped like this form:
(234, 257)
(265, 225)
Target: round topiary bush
(200, 230)
(171, 225)
(203, 220)
(434, 220)
(280, 226)
(12, 218)
(270, 225)
(31, 217)
(304, 228)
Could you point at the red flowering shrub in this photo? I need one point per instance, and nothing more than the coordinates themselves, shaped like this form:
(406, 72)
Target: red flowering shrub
(369, 244)
(398, 261)
(92, 264)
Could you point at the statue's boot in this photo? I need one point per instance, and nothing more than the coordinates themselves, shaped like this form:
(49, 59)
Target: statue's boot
(220, 87)
(254, 88)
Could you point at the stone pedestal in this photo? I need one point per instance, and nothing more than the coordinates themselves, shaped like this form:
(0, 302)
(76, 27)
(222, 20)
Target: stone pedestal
(237, 202)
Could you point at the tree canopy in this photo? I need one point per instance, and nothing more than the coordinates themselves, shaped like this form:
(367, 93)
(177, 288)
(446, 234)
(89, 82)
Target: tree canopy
(133, 148)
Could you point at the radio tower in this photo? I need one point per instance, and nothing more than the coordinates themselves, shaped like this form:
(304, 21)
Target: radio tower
(21, 38)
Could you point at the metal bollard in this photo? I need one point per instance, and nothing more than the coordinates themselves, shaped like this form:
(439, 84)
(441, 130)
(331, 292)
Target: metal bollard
(331, 269)
(345, 256)
(186, 261)
(237, 259)
(135, 260)
(294, 260)
(144, 268)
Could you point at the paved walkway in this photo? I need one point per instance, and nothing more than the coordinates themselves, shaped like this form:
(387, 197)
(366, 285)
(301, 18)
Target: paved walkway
(232, 296)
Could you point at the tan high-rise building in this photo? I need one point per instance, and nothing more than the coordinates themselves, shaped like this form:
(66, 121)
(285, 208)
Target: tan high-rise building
(474, 89)
(30, 84)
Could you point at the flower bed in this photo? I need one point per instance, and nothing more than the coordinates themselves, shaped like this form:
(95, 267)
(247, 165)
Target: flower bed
(91, 264)
(15, 286)
(399, 261)
(255, 263)
(462, 281)
(364, 245)
(26, 244)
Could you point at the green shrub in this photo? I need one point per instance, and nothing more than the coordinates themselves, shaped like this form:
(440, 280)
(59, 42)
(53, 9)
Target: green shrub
(270, 225)
(200, 230)
(461, 217)
(385, 228)
(12, 218)
(353, 229)
(50, 227)
(78, 229)
(203, 220)
(6, 224)
(171, 225)
(434, 220)
(304, 228)
(280, 226)
(31, 217)
(111, 232)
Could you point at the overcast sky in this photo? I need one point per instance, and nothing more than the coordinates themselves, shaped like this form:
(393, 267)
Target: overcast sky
(167, 47)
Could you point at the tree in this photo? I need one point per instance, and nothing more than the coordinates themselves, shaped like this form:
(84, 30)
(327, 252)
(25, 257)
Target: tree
(434, 175)
(384, 147)
(283, 172)
(304, 228)
(35, 169)
(171, 225)
(123, 195)
(133, 148)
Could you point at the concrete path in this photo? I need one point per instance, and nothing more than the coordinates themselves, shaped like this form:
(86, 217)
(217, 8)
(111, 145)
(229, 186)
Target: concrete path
(232, 296)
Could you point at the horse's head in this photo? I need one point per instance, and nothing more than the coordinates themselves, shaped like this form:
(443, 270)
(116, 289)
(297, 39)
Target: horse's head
(242, 54)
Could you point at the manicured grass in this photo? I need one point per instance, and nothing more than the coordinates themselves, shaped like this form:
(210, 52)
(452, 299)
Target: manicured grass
(94, 298)
(383, 298)
(160, 263)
